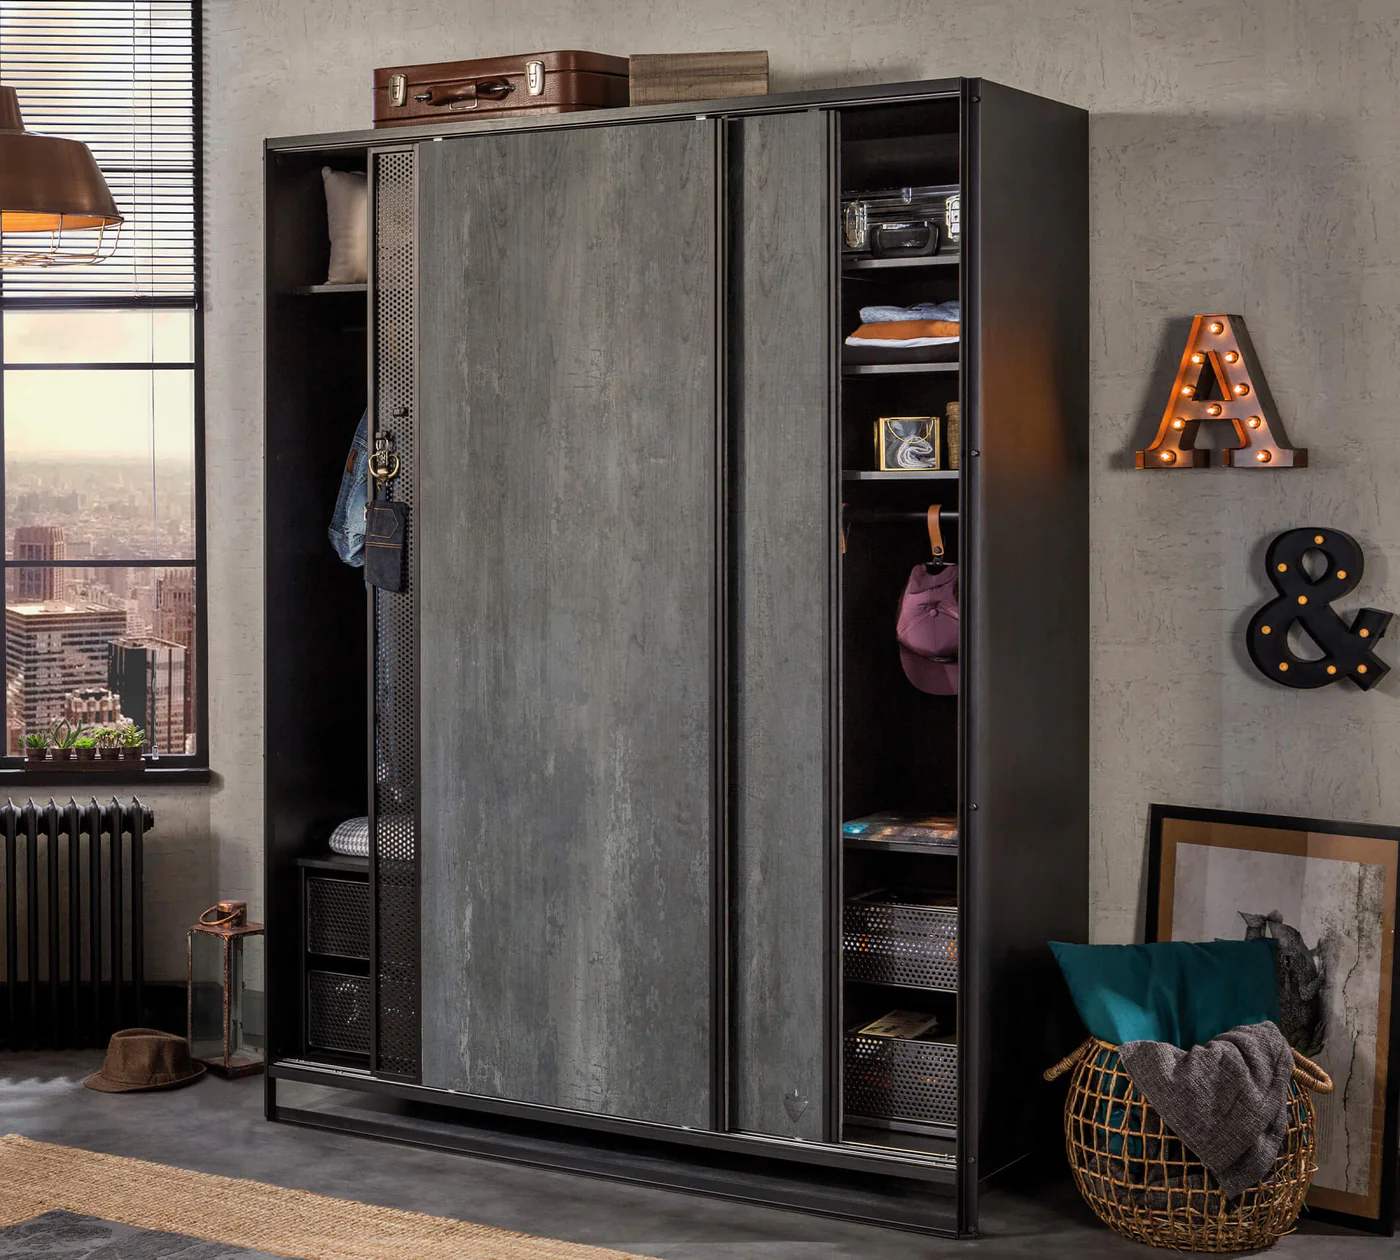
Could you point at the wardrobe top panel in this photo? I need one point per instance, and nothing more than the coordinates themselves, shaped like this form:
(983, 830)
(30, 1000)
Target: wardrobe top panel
(870, 94)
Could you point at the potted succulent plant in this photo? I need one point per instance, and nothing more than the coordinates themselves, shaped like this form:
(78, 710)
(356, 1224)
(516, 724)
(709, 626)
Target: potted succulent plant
(63, 739)
(85, 746)
(106, 737)
(133, 740)
(36, 747)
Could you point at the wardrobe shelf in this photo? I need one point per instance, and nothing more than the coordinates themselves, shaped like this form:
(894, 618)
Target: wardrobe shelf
(895, 369)
(938, 1143)
(341, 963)
(908, 988)
(869, 474)
(901, 846)
(335, 862)
(312, 290)
(898, 264)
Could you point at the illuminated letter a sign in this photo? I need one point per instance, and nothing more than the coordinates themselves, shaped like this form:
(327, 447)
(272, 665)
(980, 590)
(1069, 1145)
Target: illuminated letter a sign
(1218, 379)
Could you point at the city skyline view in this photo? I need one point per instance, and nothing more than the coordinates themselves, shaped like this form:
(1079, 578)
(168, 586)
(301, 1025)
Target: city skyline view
(99, 465)
(97, 645)
(109, 509)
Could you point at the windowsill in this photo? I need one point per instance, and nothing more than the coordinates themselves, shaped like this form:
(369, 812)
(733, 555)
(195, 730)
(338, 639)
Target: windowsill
(81, 782)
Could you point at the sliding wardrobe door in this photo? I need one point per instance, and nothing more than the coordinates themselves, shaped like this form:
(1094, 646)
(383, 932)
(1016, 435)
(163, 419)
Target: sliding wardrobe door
(567, 534)
(783, 245)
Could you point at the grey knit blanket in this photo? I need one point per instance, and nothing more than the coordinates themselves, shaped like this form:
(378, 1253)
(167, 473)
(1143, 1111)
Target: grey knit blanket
(1227, 1100)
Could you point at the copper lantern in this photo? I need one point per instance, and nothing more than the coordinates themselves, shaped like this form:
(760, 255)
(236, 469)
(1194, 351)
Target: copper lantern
(220, 949)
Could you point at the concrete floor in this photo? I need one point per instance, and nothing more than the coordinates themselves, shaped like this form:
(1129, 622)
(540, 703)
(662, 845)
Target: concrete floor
(217, 1126)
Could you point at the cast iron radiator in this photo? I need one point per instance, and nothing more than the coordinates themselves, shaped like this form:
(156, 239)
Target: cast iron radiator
(73, 950)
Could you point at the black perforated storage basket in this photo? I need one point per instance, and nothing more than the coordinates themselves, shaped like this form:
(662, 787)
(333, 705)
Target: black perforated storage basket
(908, 939)
(337, 1012)
(337, 917)
(904, 1083)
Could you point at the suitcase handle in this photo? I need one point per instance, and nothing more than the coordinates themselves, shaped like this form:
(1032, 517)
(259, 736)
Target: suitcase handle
(486, 89)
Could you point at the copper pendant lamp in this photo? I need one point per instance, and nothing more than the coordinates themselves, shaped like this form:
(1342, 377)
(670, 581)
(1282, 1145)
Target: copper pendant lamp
(55, 207)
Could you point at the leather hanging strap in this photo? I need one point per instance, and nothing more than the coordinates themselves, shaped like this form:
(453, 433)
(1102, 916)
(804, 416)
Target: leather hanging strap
(935, 531)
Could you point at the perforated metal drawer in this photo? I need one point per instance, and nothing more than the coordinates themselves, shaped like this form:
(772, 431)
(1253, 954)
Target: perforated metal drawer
(337, 1012)
(902, 940)
(888, 1078)
(337, 917)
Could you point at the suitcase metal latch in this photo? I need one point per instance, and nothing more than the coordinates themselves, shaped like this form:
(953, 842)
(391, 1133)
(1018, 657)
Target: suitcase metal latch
(534, 78)
(398, 89)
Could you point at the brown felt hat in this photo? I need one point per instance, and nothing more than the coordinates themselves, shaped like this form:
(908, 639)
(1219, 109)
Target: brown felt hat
(145, 1058)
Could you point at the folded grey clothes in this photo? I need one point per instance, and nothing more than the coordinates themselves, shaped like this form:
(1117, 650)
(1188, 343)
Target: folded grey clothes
(951, 311)
(1227, 1100)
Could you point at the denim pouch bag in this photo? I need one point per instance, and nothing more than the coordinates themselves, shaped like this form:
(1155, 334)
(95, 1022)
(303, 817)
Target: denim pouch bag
(347, 528)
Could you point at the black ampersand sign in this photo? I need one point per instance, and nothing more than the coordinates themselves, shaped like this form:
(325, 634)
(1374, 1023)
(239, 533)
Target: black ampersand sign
(1349, 652)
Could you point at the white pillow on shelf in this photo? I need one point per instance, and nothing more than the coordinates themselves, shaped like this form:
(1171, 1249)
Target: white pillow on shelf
(347, 221)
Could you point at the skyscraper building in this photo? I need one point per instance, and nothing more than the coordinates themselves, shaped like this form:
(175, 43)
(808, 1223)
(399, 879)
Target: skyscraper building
(38, 542)
(92, 706)
(175, 605)
(14, 717)
(149, 675)
(174, 620)
(53, 648)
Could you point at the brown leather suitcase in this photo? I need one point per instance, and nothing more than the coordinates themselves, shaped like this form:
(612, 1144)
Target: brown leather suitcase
(544, 83)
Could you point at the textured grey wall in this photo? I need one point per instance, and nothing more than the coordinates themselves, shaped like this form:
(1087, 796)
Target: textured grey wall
(1244, 158)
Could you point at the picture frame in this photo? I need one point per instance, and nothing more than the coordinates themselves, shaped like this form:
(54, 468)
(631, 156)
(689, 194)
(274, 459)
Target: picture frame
(907, 444)
(1333, 900)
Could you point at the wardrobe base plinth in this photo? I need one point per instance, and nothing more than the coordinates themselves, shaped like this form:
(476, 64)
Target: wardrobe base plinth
(918, 1198)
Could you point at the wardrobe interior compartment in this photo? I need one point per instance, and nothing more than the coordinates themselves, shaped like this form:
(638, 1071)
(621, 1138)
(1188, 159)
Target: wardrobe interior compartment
(316, 708)
(900, 947)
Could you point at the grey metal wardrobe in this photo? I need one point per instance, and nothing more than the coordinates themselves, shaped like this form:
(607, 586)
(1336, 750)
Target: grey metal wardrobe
(644, 667)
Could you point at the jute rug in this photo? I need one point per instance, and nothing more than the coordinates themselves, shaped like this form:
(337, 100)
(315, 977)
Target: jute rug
(37, 1178)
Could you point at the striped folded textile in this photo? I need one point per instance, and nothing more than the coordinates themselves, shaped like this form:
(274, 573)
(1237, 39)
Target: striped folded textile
(351, 838)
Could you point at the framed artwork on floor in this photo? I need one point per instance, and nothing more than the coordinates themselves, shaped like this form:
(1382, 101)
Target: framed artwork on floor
(1326, 893)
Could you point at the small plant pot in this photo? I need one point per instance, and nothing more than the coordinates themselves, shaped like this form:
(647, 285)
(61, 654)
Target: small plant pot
(131, 754)
(35, 756)
(86, 754)
(65, 754)
(108, 754)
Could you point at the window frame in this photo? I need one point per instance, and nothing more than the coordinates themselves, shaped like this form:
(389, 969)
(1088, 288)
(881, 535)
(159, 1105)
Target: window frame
(165, 767)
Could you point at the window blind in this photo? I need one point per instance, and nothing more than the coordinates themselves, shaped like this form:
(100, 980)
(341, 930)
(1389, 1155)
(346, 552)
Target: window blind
(118, 75)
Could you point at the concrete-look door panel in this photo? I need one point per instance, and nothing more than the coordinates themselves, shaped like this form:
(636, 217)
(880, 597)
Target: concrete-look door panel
(567, 586)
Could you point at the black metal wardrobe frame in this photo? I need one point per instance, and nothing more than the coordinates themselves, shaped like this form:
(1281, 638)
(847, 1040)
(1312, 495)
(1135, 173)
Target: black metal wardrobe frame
(1037, 487)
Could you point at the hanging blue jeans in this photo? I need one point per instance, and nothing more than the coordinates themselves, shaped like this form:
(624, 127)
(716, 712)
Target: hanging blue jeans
(347, 529)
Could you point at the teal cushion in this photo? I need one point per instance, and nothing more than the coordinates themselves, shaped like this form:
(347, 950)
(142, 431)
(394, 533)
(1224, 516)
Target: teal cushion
(1180, 992)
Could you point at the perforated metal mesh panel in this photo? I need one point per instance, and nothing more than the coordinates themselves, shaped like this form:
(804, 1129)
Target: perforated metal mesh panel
(891, 1079)
(337, 917)
(337, 1012)
(394, 816)
(887, 941)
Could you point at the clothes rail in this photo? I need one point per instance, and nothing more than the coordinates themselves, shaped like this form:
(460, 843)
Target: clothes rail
(878, 516)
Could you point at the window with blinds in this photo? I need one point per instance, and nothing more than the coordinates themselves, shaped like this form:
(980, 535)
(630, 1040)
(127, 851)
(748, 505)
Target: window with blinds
(101, 404)
(119, 75)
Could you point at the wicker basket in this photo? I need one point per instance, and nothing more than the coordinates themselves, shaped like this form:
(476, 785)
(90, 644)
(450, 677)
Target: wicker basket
(1141, 1181)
